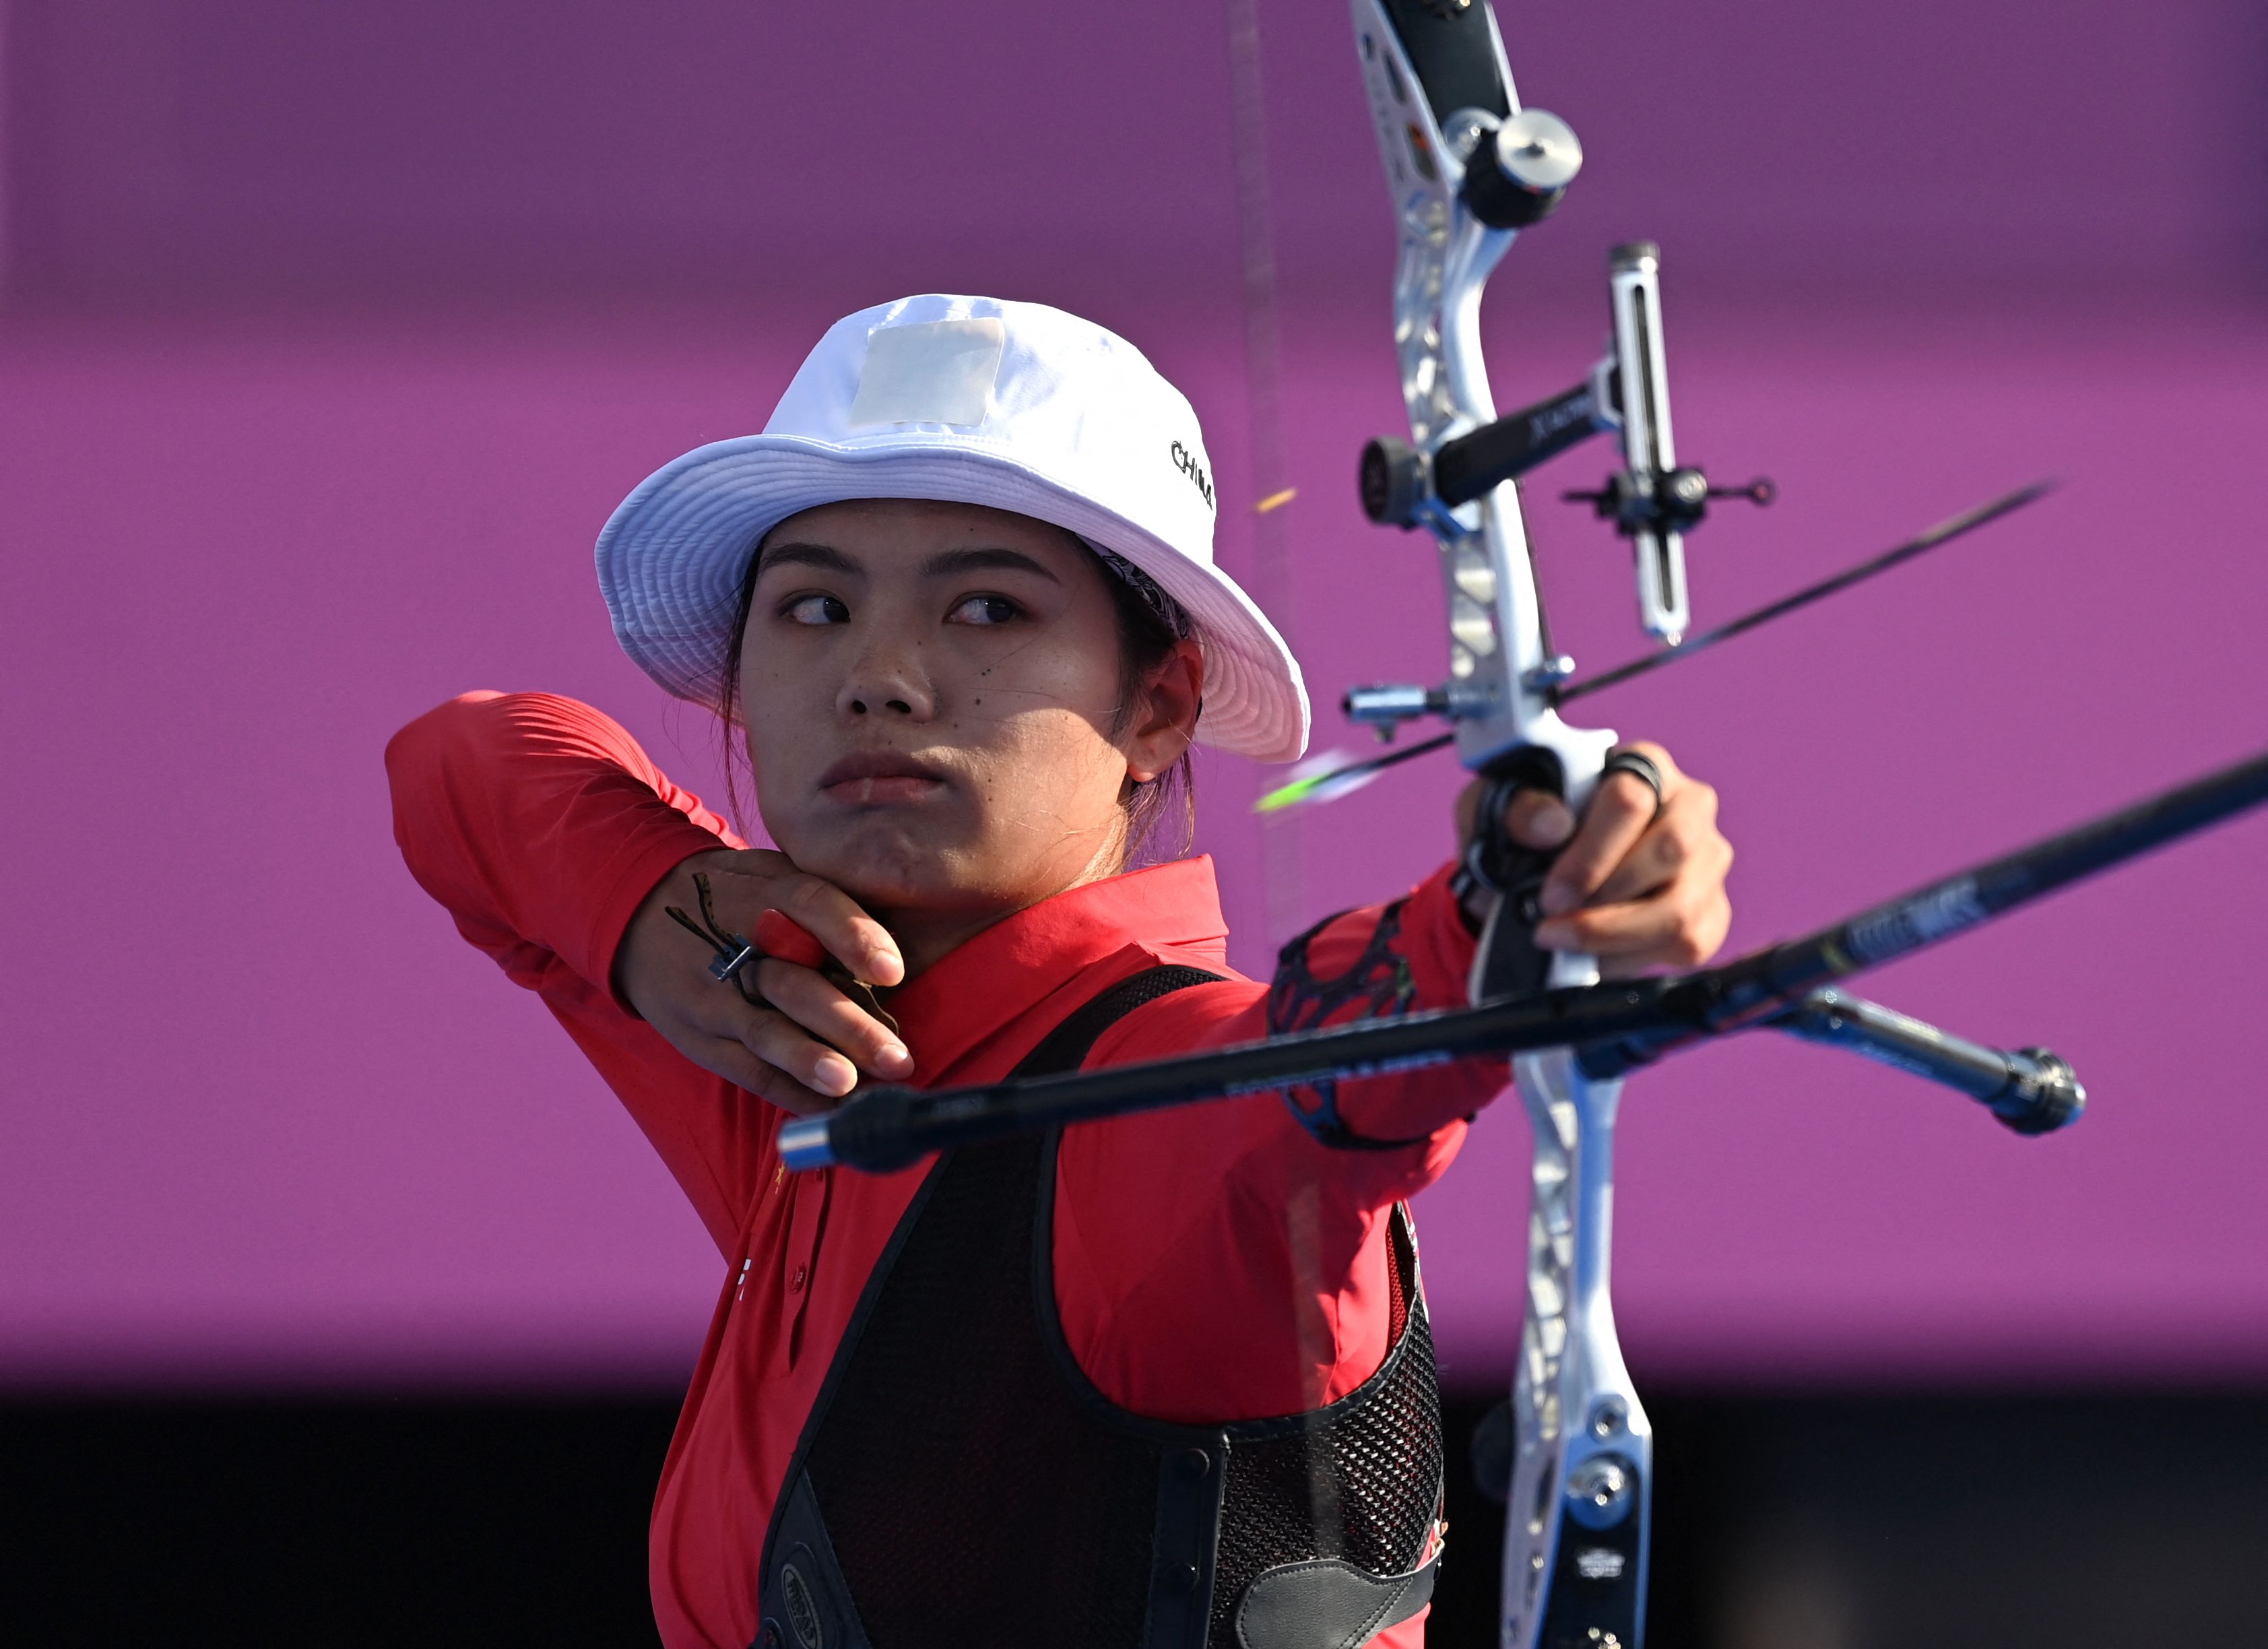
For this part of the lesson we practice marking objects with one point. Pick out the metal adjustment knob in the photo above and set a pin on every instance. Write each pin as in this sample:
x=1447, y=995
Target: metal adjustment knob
x=1633, y=254
x=1599, y=1491
x=2050, y=1097
x=1519, y=174
x=1395, y=480
x=1681, y=498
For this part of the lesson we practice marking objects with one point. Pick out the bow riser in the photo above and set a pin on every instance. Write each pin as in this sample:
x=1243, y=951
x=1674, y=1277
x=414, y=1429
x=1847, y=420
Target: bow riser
x=1580, y=1424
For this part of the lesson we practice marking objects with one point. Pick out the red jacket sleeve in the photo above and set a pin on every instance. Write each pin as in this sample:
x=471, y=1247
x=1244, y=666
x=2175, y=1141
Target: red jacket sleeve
x=541, y=826
x=1226, y=1230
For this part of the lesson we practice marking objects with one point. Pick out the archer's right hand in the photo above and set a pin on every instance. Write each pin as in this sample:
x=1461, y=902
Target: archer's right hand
x=791, y=1053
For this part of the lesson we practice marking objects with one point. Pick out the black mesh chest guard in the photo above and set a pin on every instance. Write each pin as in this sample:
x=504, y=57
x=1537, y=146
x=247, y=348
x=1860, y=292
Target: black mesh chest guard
x=960, y=1481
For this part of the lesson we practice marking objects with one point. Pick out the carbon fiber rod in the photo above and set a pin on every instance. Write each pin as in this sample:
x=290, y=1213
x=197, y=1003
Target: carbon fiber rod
x=1616, y=1025
x=1766, y=984
x=2033, y=1090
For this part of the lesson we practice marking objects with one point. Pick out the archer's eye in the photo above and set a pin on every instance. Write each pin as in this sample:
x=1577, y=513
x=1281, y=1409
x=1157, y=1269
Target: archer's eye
x=816, y=609
x=984, y=609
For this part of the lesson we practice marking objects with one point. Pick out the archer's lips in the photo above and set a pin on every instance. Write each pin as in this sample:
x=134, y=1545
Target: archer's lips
x=881, y=777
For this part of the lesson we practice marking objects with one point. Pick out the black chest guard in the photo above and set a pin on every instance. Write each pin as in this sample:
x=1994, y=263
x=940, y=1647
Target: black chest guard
x=961, y=1484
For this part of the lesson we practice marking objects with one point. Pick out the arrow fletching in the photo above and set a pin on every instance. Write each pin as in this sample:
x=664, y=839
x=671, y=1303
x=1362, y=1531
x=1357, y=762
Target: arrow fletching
x=1337, y=773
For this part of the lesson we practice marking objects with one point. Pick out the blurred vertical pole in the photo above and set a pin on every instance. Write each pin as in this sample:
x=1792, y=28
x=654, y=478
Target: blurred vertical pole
x=1283, y=836
x=7, y=147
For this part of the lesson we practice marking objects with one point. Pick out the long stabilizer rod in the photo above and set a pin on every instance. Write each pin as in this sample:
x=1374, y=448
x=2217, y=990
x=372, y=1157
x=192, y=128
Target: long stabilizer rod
x=1615, y=1026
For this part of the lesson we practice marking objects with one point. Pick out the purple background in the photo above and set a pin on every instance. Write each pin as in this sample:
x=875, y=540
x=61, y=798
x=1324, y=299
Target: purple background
x=328, y=336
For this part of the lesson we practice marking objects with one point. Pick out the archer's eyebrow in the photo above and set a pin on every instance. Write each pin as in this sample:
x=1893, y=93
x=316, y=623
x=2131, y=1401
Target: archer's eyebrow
x=944, y=564
x=956, y=561
x=823, y=556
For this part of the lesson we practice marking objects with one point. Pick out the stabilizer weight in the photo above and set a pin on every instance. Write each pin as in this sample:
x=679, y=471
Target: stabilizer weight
x=2033, y=1090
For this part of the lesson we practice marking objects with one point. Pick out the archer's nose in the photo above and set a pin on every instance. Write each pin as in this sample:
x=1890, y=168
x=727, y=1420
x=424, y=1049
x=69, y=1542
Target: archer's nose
x=889, y=682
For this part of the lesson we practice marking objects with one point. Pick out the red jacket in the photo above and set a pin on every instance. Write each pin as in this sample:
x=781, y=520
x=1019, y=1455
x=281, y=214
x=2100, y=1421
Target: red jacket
x=1212, y=1262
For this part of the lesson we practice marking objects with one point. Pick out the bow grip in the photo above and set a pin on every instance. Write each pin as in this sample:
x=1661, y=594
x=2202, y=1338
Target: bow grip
x=1510, y=963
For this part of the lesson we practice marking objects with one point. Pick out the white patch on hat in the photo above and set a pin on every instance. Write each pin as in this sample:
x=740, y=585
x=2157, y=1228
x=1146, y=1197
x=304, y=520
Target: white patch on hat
x=929, y=371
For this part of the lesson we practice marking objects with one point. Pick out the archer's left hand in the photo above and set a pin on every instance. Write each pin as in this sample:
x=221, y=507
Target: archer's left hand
x=1635, y=889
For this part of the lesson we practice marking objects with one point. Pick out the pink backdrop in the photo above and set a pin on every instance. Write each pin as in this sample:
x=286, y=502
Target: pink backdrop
x=331, y=340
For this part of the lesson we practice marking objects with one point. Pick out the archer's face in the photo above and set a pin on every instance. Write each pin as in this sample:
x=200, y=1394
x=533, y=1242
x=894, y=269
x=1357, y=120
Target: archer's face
x=931, y=692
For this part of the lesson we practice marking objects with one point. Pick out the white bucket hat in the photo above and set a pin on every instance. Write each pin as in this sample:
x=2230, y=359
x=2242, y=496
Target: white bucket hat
x=967, y=401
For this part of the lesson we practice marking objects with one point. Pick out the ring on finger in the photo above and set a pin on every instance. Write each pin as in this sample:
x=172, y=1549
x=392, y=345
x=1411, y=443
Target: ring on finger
x=1639, y=767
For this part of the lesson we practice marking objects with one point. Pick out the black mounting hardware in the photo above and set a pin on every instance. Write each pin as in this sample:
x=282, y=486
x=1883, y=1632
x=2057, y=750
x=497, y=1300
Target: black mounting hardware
x=1676, y=505
x=1452, y=47
x=1517, y=173
x=1395, y=479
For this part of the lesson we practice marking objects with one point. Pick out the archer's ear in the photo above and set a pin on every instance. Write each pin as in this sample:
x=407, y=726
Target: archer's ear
x=1172, y=699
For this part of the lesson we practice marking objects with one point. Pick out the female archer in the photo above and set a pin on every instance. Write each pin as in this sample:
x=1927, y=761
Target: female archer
x=1163, y=1379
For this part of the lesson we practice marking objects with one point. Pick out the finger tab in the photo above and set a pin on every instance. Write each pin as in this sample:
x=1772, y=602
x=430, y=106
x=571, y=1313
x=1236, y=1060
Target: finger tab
x=778, y=936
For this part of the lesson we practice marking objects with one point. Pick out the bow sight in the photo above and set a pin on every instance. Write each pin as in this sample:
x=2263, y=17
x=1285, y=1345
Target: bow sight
x=1653, y=500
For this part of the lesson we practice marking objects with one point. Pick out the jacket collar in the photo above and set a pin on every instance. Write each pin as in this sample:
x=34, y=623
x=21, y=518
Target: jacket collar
x=985, y=985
